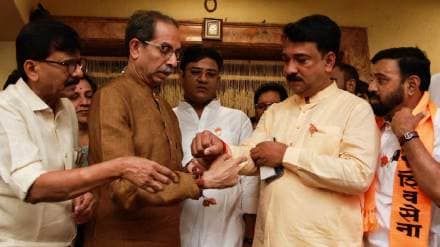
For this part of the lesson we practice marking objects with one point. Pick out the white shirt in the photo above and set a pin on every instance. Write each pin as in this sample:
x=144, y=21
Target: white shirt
x=434, y=88
x=220, y=224
x=385, y=176
x=33, y=141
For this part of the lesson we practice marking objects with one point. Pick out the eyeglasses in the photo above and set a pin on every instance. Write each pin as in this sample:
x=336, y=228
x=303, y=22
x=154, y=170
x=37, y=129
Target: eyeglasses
x=165, y=49
x=71, y=64
x=197, y=72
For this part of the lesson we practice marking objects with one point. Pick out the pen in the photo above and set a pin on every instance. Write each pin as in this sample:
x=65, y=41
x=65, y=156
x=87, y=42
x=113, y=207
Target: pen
x=396, y=155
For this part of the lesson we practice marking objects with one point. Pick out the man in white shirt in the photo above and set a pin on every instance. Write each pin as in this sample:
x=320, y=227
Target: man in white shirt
x=266, y=95
x=38, y=139
x=220, y=224
x=346, y=77
x=407, y=190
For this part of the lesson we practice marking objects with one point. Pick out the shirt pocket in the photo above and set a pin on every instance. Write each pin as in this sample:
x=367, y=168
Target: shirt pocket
x=323, y=139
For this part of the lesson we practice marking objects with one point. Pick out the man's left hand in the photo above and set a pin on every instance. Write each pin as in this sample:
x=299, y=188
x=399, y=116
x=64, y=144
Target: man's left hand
x=404, y=121
x=268, y=153
x=83, y=207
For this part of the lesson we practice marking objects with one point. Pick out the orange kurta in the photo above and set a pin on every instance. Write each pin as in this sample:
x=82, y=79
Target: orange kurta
x=127, y=118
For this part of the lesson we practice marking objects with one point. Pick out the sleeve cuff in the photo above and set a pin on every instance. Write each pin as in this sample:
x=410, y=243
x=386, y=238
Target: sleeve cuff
x=22, y=179
x=291, y=156
x=186, y=160
x=247, y=167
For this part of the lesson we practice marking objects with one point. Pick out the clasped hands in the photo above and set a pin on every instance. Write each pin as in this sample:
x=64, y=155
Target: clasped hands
x=206, y=147
x=218, y=169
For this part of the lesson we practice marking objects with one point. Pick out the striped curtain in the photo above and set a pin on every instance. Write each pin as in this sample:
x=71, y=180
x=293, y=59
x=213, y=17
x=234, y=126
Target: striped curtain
x=240, y=79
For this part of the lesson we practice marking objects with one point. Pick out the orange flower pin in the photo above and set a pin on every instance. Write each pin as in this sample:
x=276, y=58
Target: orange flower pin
x=312, y=129
x=384, y=160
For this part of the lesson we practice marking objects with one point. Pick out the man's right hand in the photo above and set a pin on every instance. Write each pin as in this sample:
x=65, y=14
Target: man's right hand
x=223, y=172
x=147, y=174
x=206, y=145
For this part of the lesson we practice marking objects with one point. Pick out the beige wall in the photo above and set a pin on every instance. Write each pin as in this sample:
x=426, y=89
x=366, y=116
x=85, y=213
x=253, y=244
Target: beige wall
x=389, y=23
x=24, y=7
x=7, y=60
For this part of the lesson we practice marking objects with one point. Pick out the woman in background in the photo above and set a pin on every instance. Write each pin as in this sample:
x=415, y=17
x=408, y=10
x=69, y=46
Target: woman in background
x=81, y=97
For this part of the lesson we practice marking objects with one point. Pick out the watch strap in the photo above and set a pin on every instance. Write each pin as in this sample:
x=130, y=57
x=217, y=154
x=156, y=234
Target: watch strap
x=408, y=136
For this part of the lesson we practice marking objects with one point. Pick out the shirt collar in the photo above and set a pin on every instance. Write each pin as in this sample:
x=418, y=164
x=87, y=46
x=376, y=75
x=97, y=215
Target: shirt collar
x=32, y=99
x=213, y=105
x=318, y=97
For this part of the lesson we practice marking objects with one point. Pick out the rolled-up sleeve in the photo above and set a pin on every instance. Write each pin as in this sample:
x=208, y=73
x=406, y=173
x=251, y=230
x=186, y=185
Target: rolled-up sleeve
x=21, y=162
x=260, y=134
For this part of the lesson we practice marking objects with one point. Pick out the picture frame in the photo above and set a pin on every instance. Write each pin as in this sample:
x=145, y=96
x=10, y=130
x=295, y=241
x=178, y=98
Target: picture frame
x=212, y=29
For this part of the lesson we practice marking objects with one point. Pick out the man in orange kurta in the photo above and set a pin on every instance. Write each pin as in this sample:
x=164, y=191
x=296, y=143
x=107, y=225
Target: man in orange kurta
x=128, y=117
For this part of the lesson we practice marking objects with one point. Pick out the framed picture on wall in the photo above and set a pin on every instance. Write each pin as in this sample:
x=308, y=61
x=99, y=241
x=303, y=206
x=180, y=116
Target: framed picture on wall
x=212, y=29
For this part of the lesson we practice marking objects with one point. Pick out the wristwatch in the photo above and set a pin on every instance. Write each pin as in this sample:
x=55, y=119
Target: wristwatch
x=408, y=136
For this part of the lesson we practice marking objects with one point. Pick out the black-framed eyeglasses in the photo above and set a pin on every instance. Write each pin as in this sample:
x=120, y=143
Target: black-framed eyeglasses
x=71, y=65
x=165, y=49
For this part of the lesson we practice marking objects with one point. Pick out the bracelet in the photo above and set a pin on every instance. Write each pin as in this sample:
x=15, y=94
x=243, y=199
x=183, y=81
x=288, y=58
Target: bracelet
x=225, y=147
x=206, y=201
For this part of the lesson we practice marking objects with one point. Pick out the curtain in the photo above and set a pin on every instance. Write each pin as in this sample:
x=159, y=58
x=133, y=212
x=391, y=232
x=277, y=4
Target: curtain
x=239, y=80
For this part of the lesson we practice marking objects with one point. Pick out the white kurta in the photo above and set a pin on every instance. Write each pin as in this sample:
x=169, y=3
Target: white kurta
x=34, y=140
x=384, y=194
x=221, y=224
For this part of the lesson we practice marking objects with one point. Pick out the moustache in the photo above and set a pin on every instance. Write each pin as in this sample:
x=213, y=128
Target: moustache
x=293, y=77
x=71, y=81
x=167, y=70
x=373, y=96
